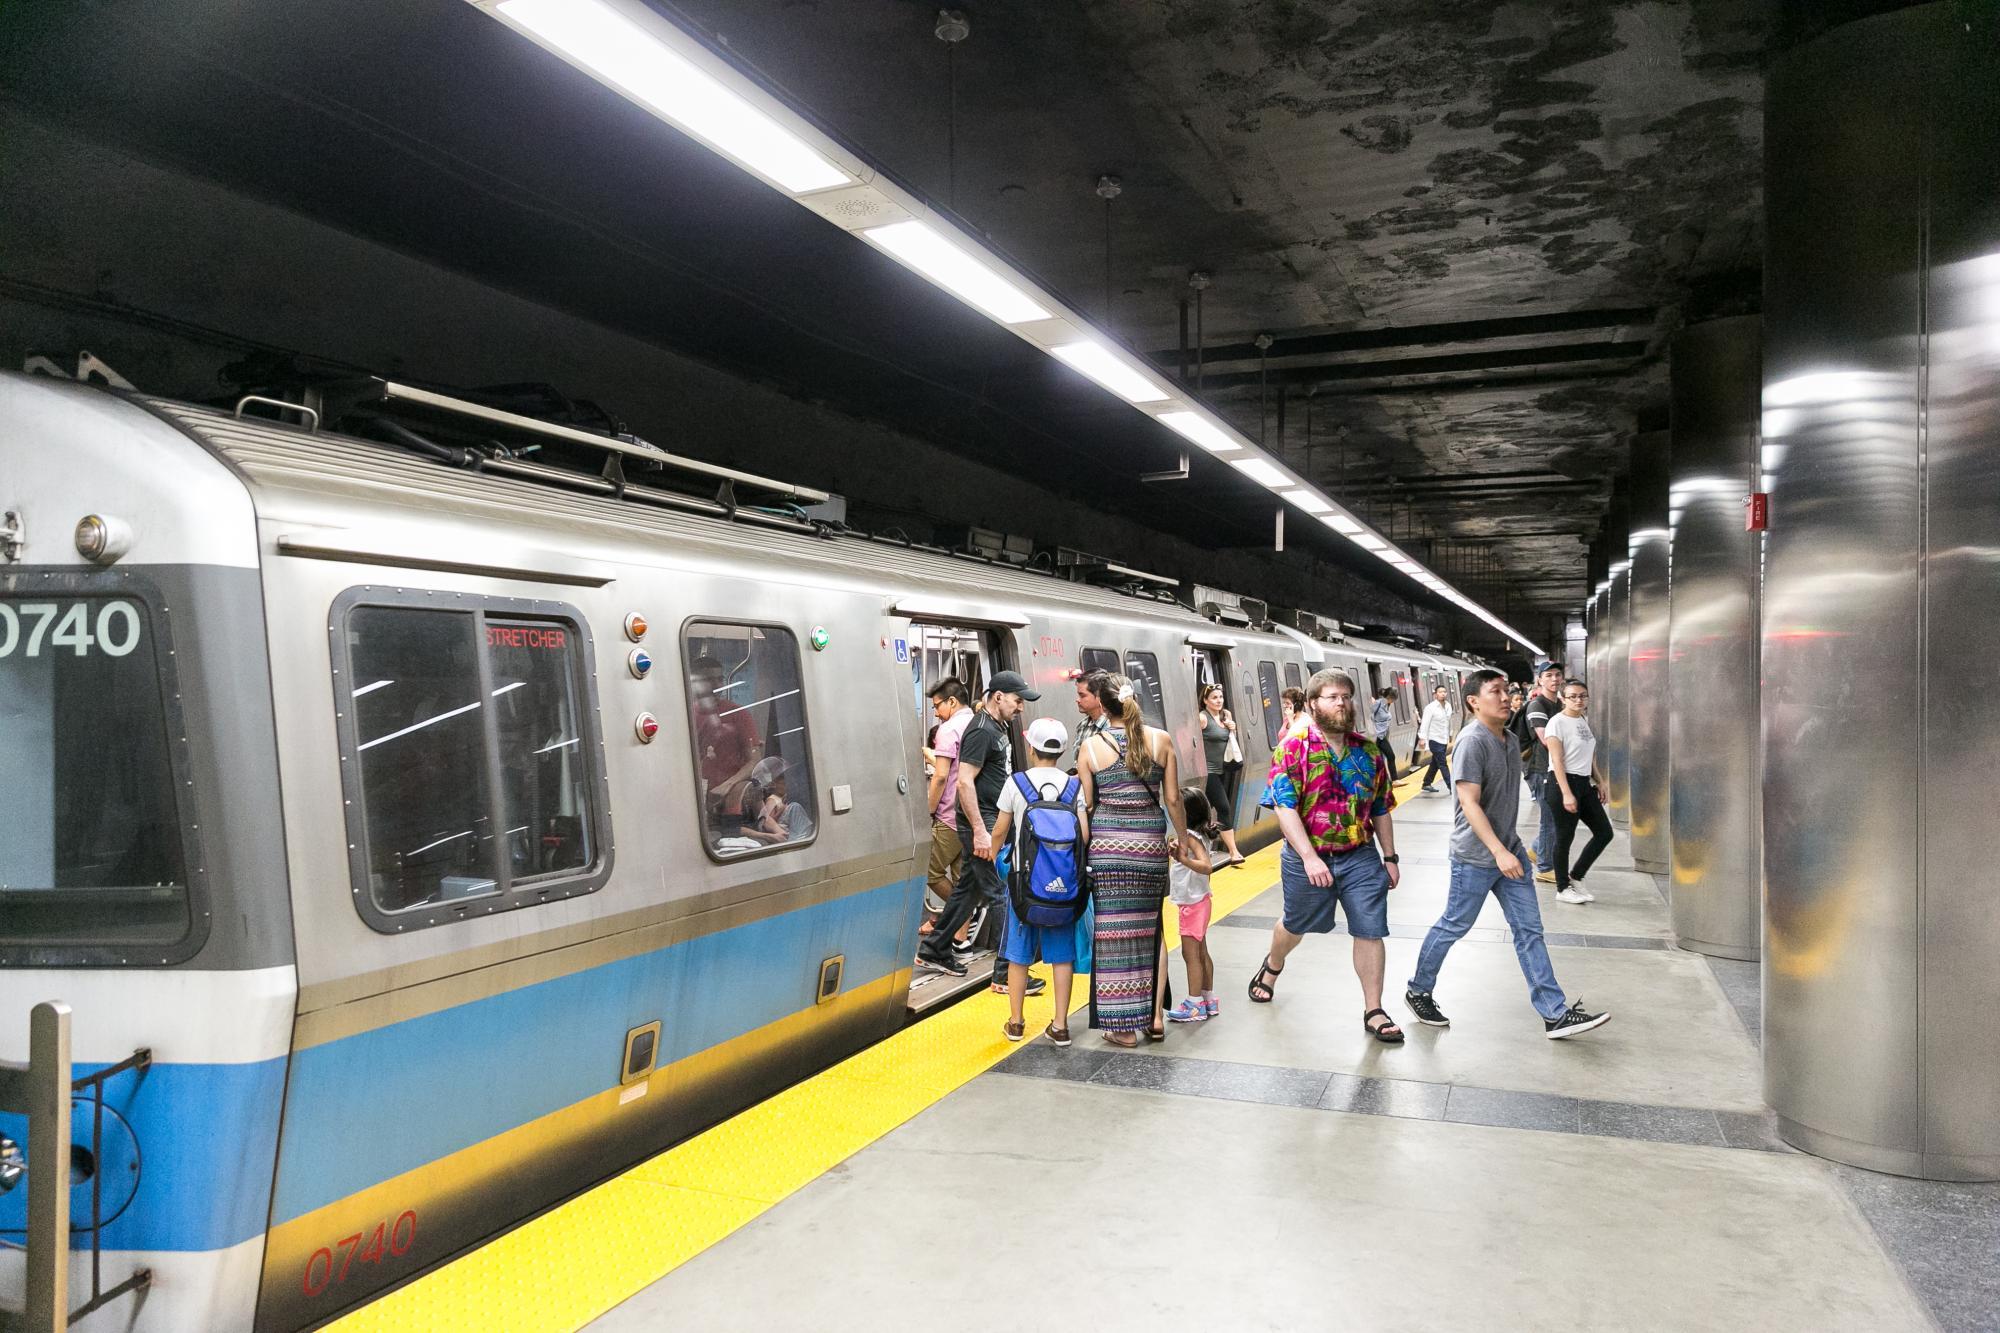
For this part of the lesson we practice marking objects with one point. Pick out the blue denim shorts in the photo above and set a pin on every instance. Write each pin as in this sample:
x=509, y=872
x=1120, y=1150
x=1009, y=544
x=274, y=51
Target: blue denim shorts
x=1360, y=889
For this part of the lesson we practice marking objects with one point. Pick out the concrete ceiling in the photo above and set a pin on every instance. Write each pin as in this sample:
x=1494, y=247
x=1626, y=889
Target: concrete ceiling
x=1467, y=225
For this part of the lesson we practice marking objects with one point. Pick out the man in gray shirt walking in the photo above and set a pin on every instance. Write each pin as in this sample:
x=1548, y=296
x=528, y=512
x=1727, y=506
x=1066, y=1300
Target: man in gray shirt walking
x=1486, y=855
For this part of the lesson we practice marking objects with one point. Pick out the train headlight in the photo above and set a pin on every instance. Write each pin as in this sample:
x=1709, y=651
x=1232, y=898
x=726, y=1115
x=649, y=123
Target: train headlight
x=101, y=539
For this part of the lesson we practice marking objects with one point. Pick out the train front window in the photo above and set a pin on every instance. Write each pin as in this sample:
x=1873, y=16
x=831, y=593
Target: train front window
x=90, y=838
x=471, y=767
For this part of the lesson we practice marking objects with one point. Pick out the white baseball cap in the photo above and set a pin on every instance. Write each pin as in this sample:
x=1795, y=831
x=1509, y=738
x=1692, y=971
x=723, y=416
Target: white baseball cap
x=1046, y=735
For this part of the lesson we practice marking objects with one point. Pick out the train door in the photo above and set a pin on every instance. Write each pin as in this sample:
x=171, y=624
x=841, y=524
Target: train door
x=972, y=654
x=1211, y=668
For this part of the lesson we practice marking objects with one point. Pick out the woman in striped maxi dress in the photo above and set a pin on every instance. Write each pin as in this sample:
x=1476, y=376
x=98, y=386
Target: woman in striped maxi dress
x=1125, y=771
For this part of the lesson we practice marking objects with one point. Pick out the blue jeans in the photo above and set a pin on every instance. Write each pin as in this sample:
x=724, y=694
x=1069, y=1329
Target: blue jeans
x=1545, y=831
x=1469, y=886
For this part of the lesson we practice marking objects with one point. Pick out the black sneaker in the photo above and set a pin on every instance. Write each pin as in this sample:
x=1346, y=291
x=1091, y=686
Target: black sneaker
x=948, y=965
x=1573, y=1022
x=1035, y=985
x=1425, y=1008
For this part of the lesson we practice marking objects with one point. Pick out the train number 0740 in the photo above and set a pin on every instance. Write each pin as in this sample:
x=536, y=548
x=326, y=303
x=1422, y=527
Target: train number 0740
x=330, y=1264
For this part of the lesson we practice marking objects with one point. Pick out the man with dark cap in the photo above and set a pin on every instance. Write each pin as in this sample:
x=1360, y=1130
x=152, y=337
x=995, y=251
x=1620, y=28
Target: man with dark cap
x=985, y=762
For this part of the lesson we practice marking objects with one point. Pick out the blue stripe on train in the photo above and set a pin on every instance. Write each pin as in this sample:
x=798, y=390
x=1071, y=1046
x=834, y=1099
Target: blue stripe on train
x=372, y=1106
x=208, y=1136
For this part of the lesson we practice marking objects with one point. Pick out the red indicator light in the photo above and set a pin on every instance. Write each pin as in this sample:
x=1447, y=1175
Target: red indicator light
x=646, y=727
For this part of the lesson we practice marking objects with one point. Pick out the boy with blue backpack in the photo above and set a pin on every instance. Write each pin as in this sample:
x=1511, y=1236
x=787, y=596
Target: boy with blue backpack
x=1041, y=820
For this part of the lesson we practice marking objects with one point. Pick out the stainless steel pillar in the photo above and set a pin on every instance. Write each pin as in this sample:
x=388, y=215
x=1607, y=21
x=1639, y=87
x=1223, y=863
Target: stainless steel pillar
x=1718, y=901
x=1574, y=638
x=1610, y=708
x=1646, y=655
x=1881, y=613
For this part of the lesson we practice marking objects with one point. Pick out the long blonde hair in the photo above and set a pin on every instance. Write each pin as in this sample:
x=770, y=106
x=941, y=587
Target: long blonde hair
x=1120, y=698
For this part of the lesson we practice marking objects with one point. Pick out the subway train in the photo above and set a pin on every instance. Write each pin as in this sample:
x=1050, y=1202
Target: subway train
x=454, y=820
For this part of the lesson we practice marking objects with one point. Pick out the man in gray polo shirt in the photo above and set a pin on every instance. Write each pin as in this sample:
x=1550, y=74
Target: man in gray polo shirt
x=1486, y=855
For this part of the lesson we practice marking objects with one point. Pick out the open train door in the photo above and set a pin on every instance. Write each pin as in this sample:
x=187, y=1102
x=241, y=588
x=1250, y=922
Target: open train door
x=1211, y=657
x=970, y=642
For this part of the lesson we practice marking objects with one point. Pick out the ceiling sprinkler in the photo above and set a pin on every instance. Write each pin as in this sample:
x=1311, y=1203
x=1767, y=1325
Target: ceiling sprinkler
x=952, y=26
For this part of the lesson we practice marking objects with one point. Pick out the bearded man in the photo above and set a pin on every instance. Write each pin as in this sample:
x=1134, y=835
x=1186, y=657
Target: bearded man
x=1330, y=789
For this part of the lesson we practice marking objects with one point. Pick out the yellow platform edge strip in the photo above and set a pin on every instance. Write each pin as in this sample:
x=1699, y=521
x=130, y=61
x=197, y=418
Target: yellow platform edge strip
x=573, y=1263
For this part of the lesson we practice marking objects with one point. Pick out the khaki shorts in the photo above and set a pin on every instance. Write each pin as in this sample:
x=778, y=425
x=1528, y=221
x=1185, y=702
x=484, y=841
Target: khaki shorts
x=946, y=853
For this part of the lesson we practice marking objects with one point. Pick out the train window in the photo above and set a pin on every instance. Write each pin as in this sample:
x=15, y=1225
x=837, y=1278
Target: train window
x=1270, y=694
x=1098, y=659
x=1144, y=670
x=472, y=772
x=1295, y=678
x=544, y=781
x=747, y=715
x=90, y=838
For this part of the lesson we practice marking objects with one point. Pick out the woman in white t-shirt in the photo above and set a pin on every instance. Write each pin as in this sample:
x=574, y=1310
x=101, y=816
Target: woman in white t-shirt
x=1572, y=797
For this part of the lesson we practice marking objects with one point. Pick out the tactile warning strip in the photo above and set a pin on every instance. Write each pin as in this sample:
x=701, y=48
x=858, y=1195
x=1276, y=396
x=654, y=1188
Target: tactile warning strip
x=566, y=1267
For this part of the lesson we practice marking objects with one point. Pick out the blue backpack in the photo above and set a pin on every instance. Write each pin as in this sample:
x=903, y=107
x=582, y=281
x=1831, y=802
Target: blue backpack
x=1047, y=882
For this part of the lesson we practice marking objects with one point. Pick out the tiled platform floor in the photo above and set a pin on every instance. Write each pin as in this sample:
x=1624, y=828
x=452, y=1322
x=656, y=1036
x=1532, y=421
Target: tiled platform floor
x=1276, y=1168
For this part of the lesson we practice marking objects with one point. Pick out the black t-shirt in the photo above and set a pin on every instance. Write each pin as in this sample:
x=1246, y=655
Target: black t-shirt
x=987, y=745
x=1536, y=712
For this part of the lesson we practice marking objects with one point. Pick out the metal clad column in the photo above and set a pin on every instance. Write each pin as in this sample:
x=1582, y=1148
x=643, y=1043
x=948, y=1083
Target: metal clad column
x=1610, y=707
x=1881, y=613
x=1718, y=905
x=1646, y=679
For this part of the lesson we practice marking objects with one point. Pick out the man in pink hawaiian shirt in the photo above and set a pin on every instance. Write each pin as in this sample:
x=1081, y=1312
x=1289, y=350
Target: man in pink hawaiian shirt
x=1329, y=787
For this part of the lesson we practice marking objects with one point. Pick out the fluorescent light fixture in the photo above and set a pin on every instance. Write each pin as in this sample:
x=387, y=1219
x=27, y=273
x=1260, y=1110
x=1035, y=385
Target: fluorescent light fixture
x=1111, y=370
x=630, y=58
x=1260, y=470
x=1198, y=428
x=1368, y=541
x=956, y=270
x=1307, y=501
x=1341, y=523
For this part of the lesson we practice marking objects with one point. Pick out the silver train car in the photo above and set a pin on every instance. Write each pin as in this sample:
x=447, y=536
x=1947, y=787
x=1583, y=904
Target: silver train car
x=451, y=839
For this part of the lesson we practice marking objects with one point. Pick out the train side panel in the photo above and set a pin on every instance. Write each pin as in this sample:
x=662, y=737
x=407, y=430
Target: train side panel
x=452, y=1079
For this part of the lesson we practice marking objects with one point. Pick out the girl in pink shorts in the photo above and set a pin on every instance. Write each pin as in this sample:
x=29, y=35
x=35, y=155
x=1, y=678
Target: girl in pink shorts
x=1187, y=886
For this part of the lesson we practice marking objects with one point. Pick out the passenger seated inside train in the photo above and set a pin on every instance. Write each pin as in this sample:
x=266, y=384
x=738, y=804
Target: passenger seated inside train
x=777, y=817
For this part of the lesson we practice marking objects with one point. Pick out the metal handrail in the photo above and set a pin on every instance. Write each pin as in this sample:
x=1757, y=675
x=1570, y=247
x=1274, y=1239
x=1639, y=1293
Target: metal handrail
x=43, y=1090
x=40, y=1090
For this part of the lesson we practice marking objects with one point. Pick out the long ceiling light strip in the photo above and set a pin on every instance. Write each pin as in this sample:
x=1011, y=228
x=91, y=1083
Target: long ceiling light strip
x=673, y=74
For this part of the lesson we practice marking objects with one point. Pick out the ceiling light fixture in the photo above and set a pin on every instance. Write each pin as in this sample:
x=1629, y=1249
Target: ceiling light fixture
x=1198, y=428
x=637, y=63
x=1110, y=370
x=676, y=76
x=955, y=270
x=1261, y=471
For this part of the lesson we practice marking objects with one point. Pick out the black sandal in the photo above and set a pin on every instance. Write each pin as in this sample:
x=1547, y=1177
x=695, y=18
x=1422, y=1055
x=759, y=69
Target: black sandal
x=1266, y=980
x=1154, y=1034
x=1384, y=1033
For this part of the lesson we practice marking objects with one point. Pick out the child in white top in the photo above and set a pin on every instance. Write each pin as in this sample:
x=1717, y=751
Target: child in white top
x=1187, y=885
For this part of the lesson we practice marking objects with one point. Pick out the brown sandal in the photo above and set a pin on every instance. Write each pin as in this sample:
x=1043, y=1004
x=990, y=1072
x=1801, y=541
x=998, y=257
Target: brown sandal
x=1060, y=1036
x=1124, y=1041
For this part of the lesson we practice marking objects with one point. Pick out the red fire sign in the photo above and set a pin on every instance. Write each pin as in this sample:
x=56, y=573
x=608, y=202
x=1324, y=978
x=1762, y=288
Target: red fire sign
x=1757, y=512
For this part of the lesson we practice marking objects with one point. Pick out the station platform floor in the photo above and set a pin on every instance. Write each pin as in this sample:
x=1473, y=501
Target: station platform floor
x=1274, y=1168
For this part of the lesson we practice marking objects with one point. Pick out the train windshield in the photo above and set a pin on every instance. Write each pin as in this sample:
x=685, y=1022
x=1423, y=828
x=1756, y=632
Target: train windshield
x=90, y=839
